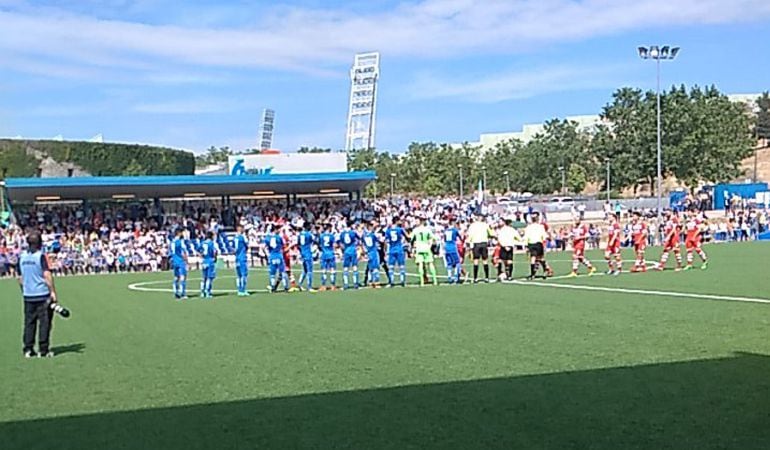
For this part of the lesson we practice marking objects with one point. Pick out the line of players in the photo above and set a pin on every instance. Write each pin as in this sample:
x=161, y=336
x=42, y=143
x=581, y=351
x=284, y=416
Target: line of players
x=386, y=249
x=690, y=223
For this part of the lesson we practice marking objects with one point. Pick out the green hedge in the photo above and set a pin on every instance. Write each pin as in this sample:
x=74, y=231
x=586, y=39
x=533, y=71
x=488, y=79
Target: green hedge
x=96, y=158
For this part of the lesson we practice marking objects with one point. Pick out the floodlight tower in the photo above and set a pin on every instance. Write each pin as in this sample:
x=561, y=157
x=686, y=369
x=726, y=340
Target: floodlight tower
x=658, y=54
x=362, y=110
x=266, y=129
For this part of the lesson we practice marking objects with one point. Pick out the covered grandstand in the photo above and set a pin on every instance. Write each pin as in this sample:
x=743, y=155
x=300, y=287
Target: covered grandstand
x=224, y=187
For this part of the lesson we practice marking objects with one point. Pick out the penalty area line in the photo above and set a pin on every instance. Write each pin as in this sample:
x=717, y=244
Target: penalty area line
x=581, y=287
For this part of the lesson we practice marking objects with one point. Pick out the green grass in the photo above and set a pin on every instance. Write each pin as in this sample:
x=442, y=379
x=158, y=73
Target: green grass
x=507, y=366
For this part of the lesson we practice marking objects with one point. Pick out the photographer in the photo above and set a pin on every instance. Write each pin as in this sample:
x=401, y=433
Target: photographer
x=39, y=293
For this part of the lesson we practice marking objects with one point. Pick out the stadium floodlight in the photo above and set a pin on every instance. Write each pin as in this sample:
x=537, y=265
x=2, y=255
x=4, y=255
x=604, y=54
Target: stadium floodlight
x=329, y=191
x=658, y=54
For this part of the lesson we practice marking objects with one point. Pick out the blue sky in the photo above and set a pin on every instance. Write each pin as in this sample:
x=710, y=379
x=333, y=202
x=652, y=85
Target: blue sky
x=198, y=73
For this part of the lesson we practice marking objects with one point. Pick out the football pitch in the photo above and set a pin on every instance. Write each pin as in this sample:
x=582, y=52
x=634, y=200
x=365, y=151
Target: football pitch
x=656, y=360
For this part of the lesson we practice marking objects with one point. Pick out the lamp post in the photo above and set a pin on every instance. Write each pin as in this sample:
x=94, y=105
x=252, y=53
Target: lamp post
x=460, y=168
x=607, y=160
x=392, y=184
x=507, y=182
x=658, y=53
x=563, y=179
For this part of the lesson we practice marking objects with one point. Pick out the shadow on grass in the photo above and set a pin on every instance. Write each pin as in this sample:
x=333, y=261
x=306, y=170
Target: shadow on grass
x=718, y=403
x=71, y=348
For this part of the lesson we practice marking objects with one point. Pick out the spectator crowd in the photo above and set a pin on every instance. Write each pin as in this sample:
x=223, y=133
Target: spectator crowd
x=134, y=237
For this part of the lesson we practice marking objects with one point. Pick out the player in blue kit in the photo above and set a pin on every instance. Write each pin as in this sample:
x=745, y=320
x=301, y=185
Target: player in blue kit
x=371, y=245
x=179, y=264
x=395, y=237
x=241, y=245
x=208, y=268
x=275, y=261
x=305, y=242
x=327, y=240
x=451, y=255
x=349, y=240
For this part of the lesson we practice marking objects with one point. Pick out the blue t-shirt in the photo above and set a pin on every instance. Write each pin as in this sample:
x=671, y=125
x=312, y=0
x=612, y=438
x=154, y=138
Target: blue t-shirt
x=395, y=236
x=209, y=252
x=178, y=250
x=305, y=241
x=327, y=243
x=451, y=235
x=370, y=242
x=349, y=240
x=241, y=248
x=274, y=243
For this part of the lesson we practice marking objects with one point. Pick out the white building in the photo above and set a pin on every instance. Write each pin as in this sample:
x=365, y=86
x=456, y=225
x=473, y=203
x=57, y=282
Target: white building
x=528, y=132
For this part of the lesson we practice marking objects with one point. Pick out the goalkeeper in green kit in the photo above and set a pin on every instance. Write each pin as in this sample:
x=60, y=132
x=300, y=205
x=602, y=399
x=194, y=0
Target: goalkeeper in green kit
x=423, y=240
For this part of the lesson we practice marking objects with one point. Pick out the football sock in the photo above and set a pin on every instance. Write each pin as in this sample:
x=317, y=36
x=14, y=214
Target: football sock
x=432, y=269
x=486, y=271
x=355, y=277
x=532, y=270
x=475, y=272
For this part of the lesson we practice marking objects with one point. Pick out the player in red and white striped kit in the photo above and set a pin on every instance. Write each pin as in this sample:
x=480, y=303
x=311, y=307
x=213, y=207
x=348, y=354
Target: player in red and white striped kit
x=579, y=235
x=671, y=230
x=639, y=235
x=692, y=241
x=612, y=252
x=291, y=243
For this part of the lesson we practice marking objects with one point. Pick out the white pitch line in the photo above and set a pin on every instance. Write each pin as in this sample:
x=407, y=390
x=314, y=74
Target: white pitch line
x=582, y=287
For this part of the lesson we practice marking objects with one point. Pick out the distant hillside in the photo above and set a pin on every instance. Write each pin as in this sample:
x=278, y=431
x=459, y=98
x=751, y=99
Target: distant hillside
x=29, y=158
x=763, y=165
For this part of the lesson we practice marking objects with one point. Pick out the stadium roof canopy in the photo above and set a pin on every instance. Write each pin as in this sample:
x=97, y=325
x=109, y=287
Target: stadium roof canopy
x=190, y=186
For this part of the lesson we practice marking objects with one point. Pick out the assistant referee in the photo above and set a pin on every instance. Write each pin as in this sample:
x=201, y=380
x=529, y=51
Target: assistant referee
x=478, y=239
x=535, y=235
x=507, y=237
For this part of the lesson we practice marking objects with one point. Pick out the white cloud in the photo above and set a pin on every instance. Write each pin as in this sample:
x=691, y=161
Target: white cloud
x=293, y=38
x=71, y=110
x=190, y=106
x=512, y=85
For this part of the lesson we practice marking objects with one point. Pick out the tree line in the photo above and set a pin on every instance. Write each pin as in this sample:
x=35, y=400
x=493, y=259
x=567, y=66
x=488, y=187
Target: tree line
x=705, y=137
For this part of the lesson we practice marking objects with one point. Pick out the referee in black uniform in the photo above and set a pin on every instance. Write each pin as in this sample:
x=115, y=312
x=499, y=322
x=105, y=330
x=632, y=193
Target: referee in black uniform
x=478, y=238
